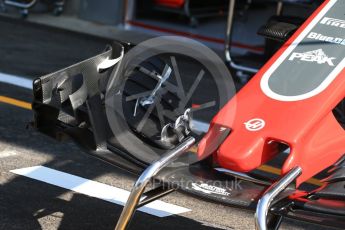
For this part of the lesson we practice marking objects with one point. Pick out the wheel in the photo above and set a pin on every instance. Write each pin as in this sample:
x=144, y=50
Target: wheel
x=152, y=88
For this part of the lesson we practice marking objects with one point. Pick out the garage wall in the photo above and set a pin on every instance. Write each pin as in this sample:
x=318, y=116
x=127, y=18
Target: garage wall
x=109, y=12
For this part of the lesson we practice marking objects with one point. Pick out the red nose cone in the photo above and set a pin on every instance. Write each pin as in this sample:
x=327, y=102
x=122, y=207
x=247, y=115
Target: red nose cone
x=240, y=156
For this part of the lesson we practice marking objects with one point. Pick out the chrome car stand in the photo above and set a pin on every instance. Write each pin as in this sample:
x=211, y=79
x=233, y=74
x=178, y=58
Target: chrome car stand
x=270, y=196
x=276, y=192
x=138, y=189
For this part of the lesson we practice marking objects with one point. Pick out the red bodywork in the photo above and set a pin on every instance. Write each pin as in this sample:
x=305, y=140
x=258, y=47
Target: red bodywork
x=308, y=126
x=170, y=3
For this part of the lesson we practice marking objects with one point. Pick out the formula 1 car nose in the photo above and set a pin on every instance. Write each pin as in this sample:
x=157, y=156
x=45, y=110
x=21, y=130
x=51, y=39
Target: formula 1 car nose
x=282, y=104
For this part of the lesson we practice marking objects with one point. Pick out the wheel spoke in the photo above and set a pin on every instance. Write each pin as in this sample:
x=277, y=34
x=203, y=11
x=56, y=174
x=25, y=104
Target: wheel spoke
x=204, y=106
x=138, y=95
x=160, y=113
x=180, y=91
x=150, y=109
x=146, y=116
x=192, y=89
x=168, y=85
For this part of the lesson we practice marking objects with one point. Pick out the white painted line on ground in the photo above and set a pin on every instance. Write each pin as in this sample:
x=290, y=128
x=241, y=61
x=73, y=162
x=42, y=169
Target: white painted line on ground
x=15, y=80
x=95, y=189
x=5, y=154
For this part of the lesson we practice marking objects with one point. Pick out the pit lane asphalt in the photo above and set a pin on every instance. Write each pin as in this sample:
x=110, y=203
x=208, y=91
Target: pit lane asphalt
x=31, y=50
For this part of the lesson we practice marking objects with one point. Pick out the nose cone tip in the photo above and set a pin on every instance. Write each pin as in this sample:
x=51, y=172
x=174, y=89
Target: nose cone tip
x=242, y=157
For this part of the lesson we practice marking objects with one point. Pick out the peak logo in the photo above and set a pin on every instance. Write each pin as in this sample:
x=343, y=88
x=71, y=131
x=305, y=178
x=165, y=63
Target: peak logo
x=317, y=56
x=333, y=22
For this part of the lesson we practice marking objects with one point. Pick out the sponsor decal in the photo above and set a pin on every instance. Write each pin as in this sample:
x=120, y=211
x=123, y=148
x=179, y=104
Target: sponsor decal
x=273, y=82
x=324, y=38
x=255, y=124
x=333, y=22
x=222, y=129
x=210, y=189
x=317, y=56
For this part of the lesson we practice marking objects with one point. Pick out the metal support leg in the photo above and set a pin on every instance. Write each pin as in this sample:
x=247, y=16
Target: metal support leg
x=229, y=26
x=271, y=193
x=144, y=179
x=58, y=7
x=280, y=7
x=228, y=40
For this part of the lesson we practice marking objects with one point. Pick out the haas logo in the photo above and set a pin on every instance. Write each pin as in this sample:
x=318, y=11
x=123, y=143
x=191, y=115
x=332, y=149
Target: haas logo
x=255, y=124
